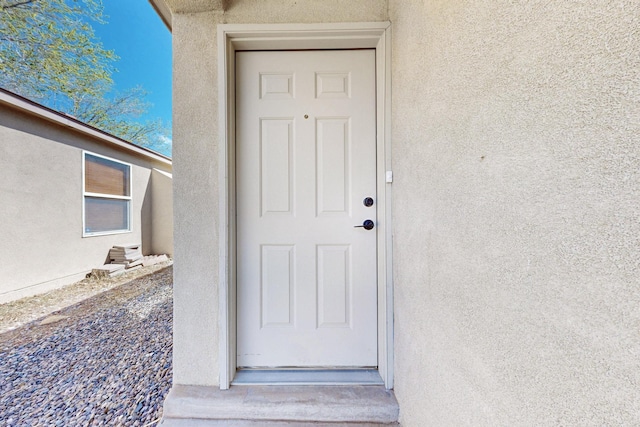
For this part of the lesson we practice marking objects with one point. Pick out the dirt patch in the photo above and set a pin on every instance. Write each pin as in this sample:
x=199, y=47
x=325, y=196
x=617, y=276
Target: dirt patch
x=20, y=312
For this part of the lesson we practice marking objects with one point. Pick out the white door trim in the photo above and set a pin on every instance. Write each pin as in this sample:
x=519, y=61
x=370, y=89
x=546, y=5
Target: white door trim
x=234, y=37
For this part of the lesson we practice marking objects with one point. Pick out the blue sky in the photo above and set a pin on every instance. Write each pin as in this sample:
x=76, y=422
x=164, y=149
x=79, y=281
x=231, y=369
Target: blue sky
x=143, y=43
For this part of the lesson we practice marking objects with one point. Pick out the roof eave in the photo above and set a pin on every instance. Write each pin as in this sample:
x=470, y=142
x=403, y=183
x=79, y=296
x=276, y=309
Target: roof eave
x=45, y=113
x=163, y=11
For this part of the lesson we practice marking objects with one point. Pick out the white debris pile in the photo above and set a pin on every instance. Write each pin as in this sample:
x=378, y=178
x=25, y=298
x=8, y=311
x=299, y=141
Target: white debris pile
x=129, y=255
x=126, y=258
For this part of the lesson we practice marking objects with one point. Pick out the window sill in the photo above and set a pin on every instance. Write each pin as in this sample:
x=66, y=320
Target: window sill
x=105, y=233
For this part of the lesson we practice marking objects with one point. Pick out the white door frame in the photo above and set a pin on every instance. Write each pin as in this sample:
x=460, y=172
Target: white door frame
x=232, y=37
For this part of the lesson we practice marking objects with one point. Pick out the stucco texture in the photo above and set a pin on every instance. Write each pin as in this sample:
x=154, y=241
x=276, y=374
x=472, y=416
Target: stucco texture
x=195, y=165
x=290, y=11
x=304, y=11
x=161, y=212
x=195, y=162
x=516, y=212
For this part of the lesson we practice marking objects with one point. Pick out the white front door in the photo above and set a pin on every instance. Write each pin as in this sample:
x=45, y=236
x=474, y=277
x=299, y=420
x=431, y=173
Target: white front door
x=305, y=163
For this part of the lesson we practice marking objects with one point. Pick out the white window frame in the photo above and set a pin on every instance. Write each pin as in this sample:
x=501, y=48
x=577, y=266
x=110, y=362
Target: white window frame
x=86, y=194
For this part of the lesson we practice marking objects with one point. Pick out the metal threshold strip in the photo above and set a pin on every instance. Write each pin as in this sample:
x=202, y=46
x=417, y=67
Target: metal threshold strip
x=307, y=377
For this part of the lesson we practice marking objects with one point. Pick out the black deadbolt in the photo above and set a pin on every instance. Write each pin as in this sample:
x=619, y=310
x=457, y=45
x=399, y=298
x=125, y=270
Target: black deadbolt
x=368, y=202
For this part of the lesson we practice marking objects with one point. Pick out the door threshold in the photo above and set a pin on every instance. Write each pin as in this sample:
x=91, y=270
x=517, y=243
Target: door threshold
x=307, y=377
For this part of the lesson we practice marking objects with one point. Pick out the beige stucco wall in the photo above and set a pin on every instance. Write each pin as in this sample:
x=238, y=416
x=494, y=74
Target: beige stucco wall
x=195, y=160
x=516, y=152
x=41, y=243
x=161, y=212
x=515, y=207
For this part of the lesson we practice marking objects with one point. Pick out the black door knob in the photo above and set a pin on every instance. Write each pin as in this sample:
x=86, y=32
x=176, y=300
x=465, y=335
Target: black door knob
x=367, y=224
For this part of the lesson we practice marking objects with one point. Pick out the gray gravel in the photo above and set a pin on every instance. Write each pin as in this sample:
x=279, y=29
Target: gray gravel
x=104, y=361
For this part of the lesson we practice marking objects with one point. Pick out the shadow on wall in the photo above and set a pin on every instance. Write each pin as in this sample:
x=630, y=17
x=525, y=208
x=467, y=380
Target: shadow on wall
x=157, y=230
x=146, y=219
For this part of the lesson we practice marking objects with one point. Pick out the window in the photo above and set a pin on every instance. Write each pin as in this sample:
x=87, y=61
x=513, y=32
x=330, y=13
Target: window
x=107, y=195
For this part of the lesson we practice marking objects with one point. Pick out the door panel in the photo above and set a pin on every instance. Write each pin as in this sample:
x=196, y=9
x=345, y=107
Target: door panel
x=276, y=179
x=305, y=161
x=333, y=166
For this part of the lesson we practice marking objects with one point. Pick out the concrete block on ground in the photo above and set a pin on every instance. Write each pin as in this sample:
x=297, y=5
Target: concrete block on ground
x=154, y=259
x=108, y=270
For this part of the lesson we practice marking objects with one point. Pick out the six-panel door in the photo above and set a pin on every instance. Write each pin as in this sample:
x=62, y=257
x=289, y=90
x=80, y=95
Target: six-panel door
x=305, y=162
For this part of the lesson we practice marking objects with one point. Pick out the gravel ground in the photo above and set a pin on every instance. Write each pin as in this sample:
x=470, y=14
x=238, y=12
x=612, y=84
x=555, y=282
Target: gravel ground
x=103, y=361
x=20, y=312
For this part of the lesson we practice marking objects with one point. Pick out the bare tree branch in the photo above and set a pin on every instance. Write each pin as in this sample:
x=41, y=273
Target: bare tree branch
x=22, y=3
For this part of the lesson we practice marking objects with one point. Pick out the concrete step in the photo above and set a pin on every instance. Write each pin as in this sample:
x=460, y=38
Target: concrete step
x=280, y=406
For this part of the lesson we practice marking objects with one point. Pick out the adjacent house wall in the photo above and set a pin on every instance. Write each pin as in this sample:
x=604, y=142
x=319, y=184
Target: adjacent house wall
x=195, y=159
x=161, y=212
x=516, y=152
x=41, y=243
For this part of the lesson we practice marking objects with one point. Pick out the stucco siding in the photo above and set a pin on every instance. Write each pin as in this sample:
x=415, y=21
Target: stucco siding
x=41, y=243
x=161, y=212
x=195, y=160
x=516, y=160
x=304, y=11
x=516, y=225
